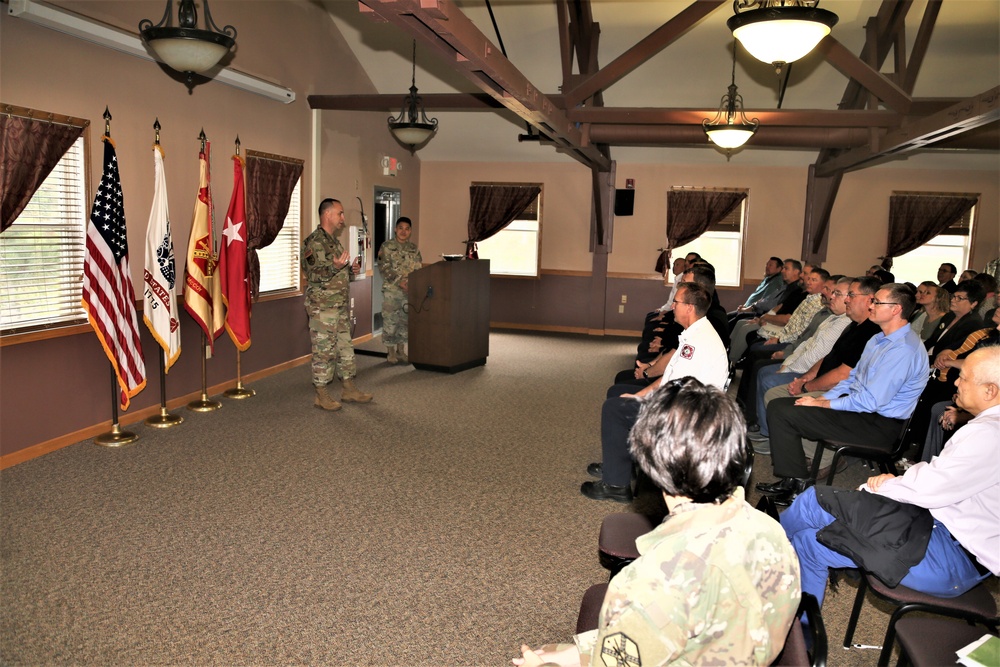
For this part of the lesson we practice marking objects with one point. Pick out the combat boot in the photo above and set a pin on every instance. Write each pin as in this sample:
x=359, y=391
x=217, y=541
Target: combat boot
x=392, y=358
x=352, y=395
x=401, y=353
x=325, y=401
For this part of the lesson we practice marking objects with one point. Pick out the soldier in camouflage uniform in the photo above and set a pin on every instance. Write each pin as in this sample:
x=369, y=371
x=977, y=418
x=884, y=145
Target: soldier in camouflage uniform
x=396, y=260
x=717, y=583
x=328, y=274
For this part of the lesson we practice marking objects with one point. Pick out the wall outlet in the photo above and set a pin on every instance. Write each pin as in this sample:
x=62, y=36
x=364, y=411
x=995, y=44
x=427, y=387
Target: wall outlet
x=430, y=291
x=352, y=303
x=624, y=298
x=621, y=310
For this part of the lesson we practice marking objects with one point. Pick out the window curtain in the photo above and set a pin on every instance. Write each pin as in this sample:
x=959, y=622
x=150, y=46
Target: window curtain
x=270, y=182
x=493, y=207
x=29, y=149
x=916, y=219
x=691, y=212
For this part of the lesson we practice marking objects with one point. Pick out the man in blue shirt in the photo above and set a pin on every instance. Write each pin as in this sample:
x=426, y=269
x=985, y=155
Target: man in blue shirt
x=869, y=406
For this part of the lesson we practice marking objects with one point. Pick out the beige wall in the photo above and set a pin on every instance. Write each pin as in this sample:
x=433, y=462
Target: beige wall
x=859, y=220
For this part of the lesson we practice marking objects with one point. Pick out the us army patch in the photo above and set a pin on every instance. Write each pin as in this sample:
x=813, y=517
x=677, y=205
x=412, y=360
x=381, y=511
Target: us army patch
x=687, y=351
x=618, y=650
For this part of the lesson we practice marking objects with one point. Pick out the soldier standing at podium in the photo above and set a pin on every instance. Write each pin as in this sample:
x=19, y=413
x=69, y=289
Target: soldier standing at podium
x=329, y=271
x=397, y=258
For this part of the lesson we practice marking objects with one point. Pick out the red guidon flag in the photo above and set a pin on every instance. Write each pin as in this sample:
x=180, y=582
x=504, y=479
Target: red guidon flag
x=160, y=296
x=108, y=296
x=233, y=262
x=199, y=286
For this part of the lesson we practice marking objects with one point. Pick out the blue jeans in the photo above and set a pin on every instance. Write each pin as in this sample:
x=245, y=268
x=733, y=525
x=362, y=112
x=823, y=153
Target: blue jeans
x=945, y=570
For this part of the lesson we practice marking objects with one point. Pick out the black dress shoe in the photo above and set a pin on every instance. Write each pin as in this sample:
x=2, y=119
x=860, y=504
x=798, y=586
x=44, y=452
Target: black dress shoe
x=602, y=491
x=596, y=470
x=783, y=485
x=787, y=498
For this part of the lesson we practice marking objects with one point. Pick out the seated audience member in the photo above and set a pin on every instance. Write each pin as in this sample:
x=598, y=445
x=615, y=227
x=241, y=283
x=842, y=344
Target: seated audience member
x=962, y=320
x=944, y=415
x=805, y=356
x=658, y=326
x=778, y=337
x=790, y=297
x=933, y=303
x=676, y=271
x=885, y=277
x=644, y=373
x=770, y=285
x=717, y=583
x=873, y=269
x=989, y=302
x=946, y=277
x=870, y=406
x=836, y=366
x=968, y=274
x=956, y=340
x=700, y=354
x=769, y=303
x=772, y=352
x=918, y=529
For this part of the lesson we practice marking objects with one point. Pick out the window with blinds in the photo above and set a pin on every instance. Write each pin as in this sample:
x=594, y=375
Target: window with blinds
x=721, y=245
x=279, y=262
x=41, y=253
x=953, y=245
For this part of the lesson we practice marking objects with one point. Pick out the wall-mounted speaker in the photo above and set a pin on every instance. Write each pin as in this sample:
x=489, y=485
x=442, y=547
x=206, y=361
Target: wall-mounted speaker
x=624, y=202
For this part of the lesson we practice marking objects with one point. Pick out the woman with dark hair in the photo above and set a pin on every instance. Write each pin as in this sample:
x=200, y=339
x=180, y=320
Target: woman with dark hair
x=933, y=304
x=717, y=582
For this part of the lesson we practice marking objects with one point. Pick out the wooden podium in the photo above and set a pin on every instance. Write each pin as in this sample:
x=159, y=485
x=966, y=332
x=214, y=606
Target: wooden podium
x=449, y=316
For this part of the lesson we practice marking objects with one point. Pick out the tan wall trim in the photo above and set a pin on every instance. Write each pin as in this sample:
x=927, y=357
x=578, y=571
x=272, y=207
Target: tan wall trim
x=561, y=329
x=559, y=272
x=28, y=453
x=636, y=276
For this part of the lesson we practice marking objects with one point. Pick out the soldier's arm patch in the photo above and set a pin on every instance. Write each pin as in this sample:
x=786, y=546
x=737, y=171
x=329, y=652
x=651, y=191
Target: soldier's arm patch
x=618, y=650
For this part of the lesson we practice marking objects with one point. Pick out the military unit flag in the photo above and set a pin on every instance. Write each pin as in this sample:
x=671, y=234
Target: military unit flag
x=233, y=262
x=108, y=296
x=200, y=289
x=160, y=296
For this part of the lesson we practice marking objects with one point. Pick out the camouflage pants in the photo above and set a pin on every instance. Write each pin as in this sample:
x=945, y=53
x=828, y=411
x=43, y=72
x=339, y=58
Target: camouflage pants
x=394, y=316
x=332, y=349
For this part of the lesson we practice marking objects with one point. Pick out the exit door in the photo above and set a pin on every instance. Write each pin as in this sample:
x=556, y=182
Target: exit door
x=386, y=212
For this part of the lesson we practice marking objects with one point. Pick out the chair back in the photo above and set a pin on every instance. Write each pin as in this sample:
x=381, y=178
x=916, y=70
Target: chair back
x=796, y=652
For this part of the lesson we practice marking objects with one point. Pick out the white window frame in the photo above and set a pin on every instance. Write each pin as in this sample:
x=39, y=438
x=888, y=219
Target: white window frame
x=524, y=231
x=279, y=262
x=711, y=245
x=40, y=286
x=954, y=246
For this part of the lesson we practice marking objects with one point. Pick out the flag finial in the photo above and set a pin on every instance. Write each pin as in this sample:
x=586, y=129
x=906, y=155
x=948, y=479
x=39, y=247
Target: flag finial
x=107, y=122
x=156, y=127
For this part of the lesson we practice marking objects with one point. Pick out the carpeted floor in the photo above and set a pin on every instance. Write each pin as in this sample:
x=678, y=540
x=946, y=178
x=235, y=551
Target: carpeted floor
x=440, y=525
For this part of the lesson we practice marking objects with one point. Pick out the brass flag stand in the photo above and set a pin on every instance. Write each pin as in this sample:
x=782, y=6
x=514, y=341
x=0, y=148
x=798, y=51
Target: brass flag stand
x=117, y=437
x=204, y=404
x=239, y=391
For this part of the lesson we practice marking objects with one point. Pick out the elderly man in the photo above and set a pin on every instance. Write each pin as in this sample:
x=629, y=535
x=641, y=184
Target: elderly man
x=700, y=354
x=929, y=520
x=869, y=406
x=717, y=582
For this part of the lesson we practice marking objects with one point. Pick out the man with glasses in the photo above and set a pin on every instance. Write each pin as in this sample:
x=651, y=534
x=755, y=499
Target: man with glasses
x=699, y=354
x=946, y=277
x=870, y=406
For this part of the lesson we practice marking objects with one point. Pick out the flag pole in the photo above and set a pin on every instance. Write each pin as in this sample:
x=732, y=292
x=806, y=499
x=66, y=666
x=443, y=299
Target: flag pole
x=239, y=392
x=116, y=437
x=164, y=419
x=204, y=404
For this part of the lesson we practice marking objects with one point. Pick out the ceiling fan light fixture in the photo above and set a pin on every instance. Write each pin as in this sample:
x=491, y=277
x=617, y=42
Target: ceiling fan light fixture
x=780, y=31
x=730, y=129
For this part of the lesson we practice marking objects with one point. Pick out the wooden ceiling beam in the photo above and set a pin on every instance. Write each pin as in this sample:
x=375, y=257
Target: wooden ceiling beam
x=652, y=44
x=853, y=67
x=441, y=25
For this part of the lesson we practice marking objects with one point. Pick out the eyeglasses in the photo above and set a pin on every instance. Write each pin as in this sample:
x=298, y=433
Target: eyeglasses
x=955, y=297
x=837, y=293
x=855, y=295
x=876, y=302
x=684, y=302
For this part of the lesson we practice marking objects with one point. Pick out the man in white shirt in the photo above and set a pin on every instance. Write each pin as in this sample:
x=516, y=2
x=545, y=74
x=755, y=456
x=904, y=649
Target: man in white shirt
x=700, y=354
x=960, y=489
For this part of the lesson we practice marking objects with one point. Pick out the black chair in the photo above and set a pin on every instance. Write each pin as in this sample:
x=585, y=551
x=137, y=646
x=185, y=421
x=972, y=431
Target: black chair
x=876, y=456
x=796, y=652
x=929, y=642
x=976, y=603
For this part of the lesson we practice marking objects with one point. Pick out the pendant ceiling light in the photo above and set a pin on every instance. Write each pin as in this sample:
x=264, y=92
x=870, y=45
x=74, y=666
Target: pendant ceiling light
x=730, y=128
x=780, y=31
x=185, y=47
x=412, y=127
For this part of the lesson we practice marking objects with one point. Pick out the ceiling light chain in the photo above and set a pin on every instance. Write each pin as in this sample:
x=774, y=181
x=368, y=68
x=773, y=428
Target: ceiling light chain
x=724, y=130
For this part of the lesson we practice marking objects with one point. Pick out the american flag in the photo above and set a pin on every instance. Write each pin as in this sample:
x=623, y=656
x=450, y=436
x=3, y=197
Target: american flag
x=108, y=296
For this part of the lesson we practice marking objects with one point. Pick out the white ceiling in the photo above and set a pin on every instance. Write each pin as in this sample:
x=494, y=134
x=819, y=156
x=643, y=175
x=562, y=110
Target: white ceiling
x=963, y=60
